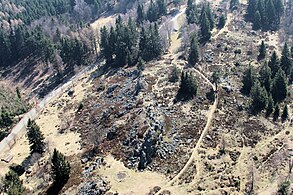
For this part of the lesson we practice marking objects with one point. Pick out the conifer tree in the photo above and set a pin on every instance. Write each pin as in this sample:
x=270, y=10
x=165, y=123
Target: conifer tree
x=60, y=168
x=279, y=7
x=188, y=86
x=193, y=56
x=285, y=113
x=248, y=81
x=191, y=12
x=286, y=62
x=262, y=51
x=140, y=14
x=234, y=4
x=279, y=87
x=35, y=137
x=12, y=185
x=251, y=9
x=274, y=63
x=205, y=28
x=222, y=21
x=266, y=77
x=271, y=14
x=270, y=107
x=259, y=97
x=276, y=112
x=257, y=21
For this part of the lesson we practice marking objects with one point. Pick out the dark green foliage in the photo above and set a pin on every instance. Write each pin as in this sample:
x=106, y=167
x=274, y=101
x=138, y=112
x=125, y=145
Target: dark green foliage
x=150, y=46
x=35, y=137
x=270, y=107
x=279, y=87
x=276, y=112
x=175, y=75
x=60, y=168
x=191, y=12
x=251, y=9
x=156, y=10
x=266, y=77
x=262, y=51
x=222, y=21
x=234, y=4
x=188, y=87
x=259, y=97
x=216, y=77
x=257, y=21
x=12, y=185
x=193, y=54
x=120, y=45
x=205, y=30
x=248, y=81
x=74, y=52
x=265, y=14
x=283, y=188
x=80, y=107
x=285, y=113
x=140, y=14
x=274, y=63
x=286, y=63
x=6, y=119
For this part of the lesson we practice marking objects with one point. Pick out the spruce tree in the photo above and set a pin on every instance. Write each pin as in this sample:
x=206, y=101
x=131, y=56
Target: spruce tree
x=279, y=7
x=286, y=62
x=35, y=137
x=60, y=168
x=259, y=97
x=257, y=21
x=140, y=14
x=251, y=9
x=248, y=81
x=274, y=63
x=262, y=12
x=285, y=113
x=270, y=107
x=276, y=112
x=222, y=21
x=266, y=77
x=188, y=86
x=234, y=4
x=205, y=28
x=191, y=12
x=262, y=51
x=12, y=185
x=193, y=56
x=279, y=87
x=271, y=14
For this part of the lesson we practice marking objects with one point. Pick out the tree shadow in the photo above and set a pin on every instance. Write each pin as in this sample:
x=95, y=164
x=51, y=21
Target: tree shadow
x=55, y=188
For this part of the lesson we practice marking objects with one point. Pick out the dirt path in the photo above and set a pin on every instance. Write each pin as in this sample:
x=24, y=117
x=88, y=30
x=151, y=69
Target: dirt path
x=225, y=28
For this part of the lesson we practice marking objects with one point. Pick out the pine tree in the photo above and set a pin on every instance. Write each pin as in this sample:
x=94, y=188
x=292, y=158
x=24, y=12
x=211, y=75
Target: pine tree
x=188, y=86
x=274, y=63
x=205, y=28
x=279, y=87
x=257, y=21
x=279, y=7
x=12, y=185
x=262, y=12
x=140, y=15
x=175, y=75
x=222, y=21
x=153, y=12
x=286, y=62
x=262, y=51
x=276, y=112
x=270, y=107
x=35, y=137
x=285, y=113
x=251, y=9
x=259, y=97
x=210, y=15
x=60, y=168
x=248, y=81
x=266, y=77
x=271, y=14
x=191, y=12
x=162, y=7
x=193, y=56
